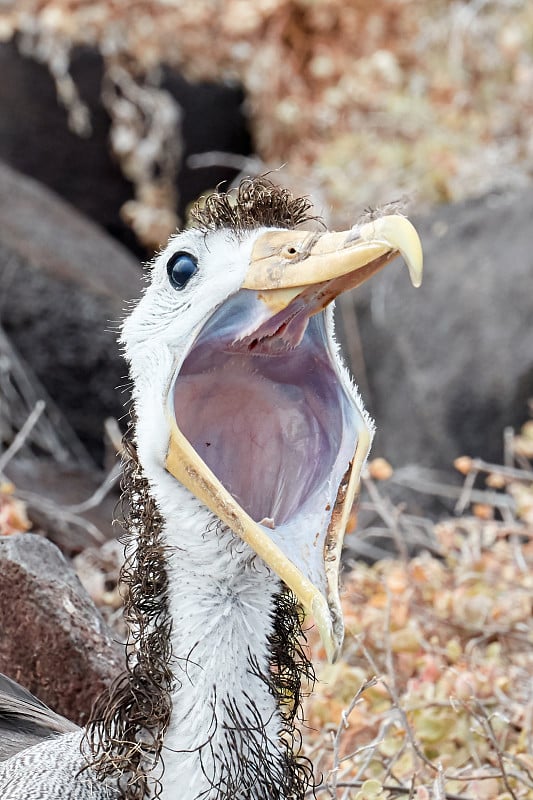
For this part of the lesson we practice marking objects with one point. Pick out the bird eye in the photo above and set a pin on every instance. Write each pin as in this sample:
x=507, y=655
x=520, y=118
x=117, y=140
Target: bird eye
x=181, y=267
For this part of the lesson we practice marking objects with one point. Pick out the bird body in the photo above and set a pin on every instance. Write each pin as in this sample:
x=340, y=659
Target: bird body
x=249, y=441
x=223, y=619
x=51, y=770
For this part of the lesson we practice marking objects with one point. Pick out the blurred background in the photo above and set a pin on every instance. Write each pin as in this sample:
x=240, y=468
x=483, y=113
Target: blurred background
x=130, y=112
x=116, y=116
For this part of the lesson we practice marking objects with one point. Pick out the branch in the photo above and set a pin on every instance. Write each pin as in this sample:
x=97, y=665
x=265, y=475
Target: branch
x=396, y=703
x=51, y=508
x=22, y=435
x=388, y=515
x=98, y=495
x=396, y=790
x=342, y=726
x=483, y=718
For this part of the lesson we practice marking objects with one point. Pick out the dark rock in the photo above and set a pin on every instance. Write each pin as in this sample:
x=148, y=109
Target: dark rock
x=53, y=640
x=35, y=139
x=64, y=286
x=51, y=435
x=451, y=364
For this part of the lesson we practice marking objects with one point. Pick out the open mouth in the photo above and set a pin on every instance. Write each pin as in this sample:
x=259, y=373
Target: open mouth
x=266, y=428
x=272, y=419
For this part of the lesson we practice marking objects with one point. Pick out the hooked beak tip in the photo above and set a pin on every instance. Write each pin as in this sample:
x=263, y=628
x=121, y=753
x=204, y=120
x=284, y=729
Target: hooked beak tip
x=400, y=234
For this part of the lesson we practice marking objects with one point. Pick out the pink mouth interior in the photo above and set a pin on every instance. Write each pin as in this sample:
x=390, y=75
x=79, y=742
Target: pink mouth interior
x=271, y=428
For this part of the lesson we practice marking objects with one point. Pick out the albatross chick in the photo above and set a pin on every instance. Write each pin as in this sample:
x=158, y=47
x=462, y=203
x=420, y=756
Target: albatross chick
x=247, y=445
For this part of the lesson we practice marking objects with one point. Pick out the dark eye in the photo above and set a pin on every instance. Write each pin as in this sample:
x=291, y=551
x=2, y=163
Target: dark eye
x=181, y=267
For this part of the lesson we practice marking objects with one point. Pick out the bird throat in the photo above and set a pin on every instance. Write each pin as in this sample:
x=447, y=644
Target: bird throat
x=142, y=734
x=238, y=669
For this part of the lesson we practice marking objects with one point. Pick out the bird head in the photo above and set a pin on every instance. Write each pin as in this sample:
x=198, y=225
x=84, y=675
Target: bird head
x=240, y=392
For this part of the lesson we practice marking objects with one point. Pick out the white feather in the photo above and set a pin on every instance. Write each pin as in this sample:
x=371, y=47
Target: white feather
x=221, y=594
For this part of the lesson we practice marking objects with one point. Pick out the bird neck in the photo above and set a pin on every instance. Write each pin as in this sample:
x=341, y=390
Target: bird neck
x=213, y=648
x=225, y=734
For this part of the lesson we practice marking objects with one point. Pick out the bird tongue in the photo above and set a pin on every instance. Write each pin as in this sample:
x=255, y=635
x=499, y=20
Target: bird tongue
x=284, y=331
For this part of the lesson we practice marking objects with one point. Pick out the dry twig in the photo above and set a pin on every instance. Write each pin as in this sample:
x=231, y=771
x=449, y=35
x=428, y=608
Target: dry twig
x=22, y=436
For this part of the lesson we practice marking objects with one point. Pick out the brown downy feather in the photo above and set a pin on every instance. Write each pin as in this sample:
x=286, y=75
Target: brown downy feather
x=256, y=203
x=128, y=724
